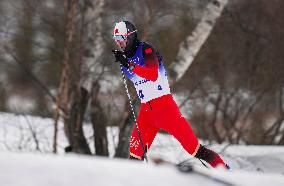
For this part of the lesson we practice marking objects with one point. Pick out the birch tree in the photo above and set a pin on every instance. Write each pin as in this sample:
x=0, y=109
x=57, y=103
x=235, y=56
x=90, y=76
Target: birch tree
x=193, y=43
x=93, y=72
x=70, y=95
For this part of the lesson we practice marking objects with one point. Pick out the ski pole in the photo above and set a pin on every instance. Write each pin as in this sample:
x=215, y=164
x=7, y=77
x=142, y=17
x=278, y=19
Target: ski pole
x=203, y=163
x=133, y=113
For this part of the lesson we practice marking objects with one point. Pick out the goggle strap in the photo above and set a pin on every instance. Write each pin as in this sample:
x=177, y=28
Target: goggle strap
x=116, y=37
x=130, y=33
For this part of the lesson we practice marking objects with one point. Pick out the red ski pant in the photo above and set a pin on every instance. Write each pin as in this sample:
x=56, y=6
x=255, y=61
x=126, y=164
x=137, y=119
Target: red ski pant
x=161, y=113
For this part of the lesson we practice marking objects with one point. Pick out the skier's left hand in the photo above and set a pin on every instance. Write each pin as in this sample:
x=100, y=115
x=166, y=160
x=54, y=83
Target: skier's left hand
x=120, y=57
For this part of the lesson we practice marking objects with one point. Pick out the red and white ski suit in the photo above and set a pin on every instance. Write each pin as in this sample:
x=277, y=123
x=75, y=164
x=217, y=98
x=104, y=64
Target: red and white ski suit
x=158, y=109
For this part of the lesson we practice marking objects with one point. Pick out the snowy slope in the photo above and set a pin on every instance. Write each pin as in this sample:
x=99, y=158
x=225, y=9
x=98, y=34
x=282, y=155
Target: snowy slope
x=20, y=136
x=18, y=169
x=46, y=170
x=35, y=134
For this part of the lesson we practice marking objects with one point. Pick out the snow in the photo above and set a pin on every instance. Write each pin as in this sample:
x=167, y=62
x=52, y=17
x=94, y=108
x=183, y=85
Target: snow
x=27, y=104
x=36, y=169
x=25, y=161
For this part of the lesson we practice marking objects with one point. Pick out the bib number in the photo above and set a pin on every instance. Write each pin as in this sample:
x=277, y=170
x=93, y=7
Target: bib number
x=140, y=94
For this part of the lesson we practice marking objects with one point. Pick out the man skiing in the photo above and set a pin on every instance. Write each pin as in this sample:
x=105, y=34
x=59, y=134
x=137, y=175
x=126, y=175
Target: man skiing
x=144, y=67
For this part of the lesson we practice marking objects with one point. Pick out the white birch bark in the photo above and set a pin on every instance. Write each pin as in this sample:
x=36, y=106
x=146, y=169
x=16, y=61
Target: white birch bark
x=94, y=44
x=193, y=43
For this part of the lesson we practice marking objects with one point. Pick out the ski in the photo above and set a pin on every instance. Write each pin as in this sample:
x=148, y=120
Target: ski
x=186, y=167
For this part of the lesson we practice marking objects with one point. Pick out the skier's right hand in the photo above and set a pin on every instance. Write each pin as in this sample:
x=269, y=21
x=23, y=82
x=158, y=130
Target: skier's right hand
x=121, y=57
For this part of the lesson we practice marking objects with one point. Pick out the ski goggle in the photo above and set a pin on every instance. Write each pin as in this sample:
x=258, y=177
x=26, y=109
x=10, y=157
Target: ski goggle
x=119, y=38
x=123, y=37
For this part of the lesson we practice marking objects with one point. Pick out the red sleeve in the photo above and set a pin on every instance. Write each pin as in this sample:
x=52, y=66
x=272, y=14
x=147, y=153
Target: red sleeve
x=150, y=70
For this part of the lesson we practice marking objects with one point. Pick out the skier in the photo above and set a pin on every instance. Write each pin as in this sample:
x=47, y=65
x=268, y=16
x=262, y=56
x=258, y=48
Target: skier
x=143, y=65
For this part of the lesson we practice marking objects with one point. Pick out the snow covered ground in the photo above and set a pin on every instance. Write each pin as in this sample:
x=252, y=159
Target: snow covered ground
x=26, y=160
x=21, y=169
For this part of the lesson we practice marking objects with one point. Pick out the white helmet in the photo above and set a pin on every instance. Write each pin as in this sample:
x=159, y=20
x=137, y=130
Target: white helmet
x=123, y=30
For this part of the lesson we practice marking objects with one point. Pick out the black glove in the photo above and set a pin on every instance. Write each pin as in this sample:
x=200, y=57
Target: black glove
x=120, y=57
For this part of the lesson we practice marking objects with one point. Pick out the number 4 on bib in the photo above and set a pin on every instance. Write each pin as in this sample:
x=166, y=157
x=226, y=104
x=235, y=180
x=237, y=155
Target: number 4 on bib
x=159, y=87
x=140, y=94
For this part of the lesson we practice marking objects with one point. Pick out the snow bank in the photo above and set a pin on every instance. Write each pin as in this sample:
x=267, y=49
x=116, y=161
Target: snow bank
x=22, y=169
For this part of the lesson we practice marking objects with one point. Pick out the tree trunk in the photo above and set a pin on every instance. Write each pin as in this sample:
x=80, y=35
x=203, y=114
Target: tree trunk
x=193, y=43
x=70, y=9
x=99, y=121
x=93, y=72
x=77, y=112
x=125, y=129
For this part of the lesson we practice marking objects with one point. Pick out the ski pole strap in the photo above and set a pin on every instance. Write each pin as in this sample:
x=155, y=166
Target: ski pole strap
x=133, y=113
